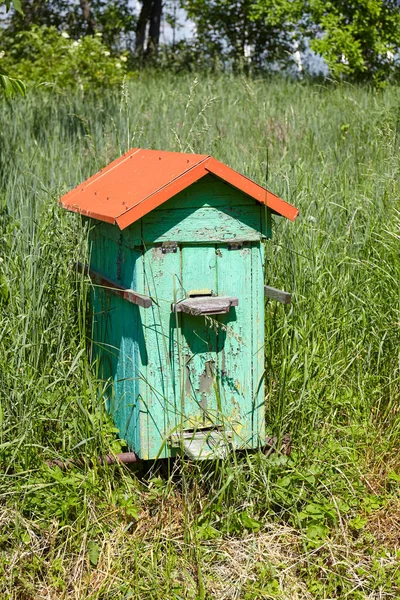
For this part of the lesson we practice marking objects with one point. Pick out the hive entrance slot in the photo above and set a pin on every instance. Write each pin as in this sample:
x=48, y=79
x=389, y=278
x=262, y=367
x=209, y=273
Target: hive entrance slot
x=204, y=443
x=204, y=429
x=200, y=295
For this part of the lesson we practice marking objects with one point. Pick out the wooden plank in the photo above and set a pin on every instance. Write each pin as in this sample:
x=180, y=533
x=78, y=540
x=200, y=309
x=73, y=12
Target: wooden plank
x=258, y=344
x=266, y=222
x=278, y=295
x=160, y=388
x=189, y=225
x=199, y=342
x=115, y=347
x=130, y=237
x=205, y=305
x=114, y=288
x=126, y=335
x=234, y=351
x=203, y=225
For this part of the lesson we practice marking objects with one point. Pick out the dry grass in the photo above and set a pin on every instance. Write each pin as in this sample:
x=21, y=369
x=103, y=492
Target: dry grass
x=267, y=564
x=384, y=525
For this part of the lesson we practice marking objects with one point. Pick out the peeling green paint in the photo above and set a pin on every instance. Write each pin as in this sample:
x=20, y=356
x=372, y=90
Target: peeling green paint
x=173, y=370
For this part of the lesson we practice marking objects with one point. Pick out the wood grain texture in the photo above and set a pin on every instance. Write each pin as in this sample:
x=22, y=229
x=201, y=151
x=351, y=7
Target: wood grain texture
x=186, y=218
x=238, y=370
x=117, y=348
x=160, y=385
x=279, y=295
x=203, y=225
x=209, y=191
x=257, y=345
x=111, y=287
x=206, y=305
x=199, y=341
x=174, y=371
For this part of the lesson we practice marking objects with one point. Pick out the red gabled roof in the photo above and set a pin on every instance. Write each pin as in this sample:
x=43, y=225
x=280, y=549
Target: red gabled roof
x=140, y=180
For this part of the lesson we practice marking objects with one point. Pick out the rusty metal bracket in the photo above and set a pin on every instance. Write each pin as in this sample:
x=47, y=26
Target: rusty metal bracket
x=114, y=288
x=167, y=247
x=235, y=245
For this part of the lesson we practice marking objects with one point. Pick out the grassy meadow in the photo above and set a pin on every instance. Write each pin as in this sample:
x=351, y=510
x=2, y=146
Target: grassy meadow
x=321, y=523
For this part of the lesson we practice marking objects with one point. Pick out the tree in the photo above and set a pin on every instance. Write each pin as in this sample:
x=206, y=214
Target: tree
x=113, y=18
x=15, y=3
x=149, y=17
x=11, y=85
x=87, y=15
x=257, y=33
x=357, y=39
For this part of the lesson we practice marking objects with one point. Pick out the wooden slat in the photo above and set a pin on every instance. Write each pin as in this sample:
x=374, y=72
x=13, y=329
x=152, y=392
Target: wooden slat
x=203, y=225
x=278, y=295
x=115, y=288
x=206, y=305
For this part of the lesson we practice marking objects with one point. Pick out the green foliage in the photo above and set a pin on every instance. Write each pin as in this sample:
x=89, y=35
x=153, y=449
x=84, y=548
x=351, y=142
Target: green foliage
x=11, y=85
x=360, y=40
x=43, y=56
x=357, y=40
x=229, y=29
x=115, y=20
x=251, y=526
x=15, y=3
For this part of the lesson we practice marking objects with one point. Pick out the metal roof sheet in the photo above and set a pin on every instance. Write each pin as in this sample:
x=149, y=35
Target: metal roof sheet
x=140, y=180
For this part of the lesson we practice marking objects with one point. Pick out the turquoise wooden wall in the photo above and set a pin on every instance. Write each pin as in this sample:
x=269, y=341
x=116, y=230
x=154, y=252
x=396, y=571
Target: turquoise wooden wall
x=167, y=370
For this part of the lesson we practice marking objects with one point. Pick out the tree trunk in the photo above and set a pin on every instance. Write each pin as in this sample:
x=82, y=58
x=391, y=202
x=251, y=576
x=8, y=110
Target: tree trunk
x=141, y=26
x=87, y=16
x=154, y=31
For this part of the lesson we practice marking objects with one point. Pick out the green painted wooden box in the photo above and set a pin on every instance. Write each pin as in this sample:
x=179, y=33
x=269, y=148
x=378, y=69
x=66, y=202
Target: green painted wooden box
x=179, y=381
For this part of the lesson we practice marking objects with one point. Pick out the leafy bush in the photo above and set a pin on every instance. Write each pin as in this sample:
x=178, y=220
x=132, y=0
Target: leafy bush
x=42, y=55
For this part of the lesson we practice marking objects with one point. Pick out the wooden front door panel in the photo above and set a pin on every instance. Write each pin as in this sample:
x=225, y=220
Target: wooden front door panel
x=204, y=371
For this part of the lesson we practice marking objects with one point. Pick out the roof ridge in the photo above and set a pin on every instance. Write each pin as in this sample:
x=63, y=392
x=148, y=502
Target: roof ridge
x=162, y=187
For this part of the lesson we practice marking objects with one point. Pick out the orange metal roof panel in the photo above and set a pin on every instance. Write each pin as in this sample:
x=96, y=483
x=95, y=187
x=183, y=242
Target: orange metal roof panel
x=127, y=181
x=252, y=189
x=162, y=195
x=140, y=180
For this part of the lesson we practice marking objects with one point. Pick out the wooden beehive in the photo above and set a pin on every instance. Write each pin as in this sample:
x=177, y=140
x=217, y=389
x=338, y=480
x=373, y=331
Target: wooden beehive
x=177, y=263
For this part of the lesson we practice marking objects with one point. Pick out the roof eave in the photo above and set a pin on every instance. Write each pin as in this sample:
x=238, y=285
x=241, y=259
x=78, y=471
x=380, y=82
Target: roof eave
x=249, y=187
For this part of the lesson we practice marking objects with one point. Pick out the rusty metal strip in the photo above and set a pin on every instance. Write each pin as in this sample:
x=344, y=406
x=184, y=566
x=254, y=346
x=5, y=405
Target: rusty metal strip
x=114, y=288
x=125, y=458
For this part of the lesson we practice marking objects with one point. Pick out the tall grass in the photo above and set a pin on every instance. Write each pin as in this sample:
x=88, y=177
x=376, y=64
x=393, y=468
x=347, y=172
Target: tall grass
x=332, y=358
